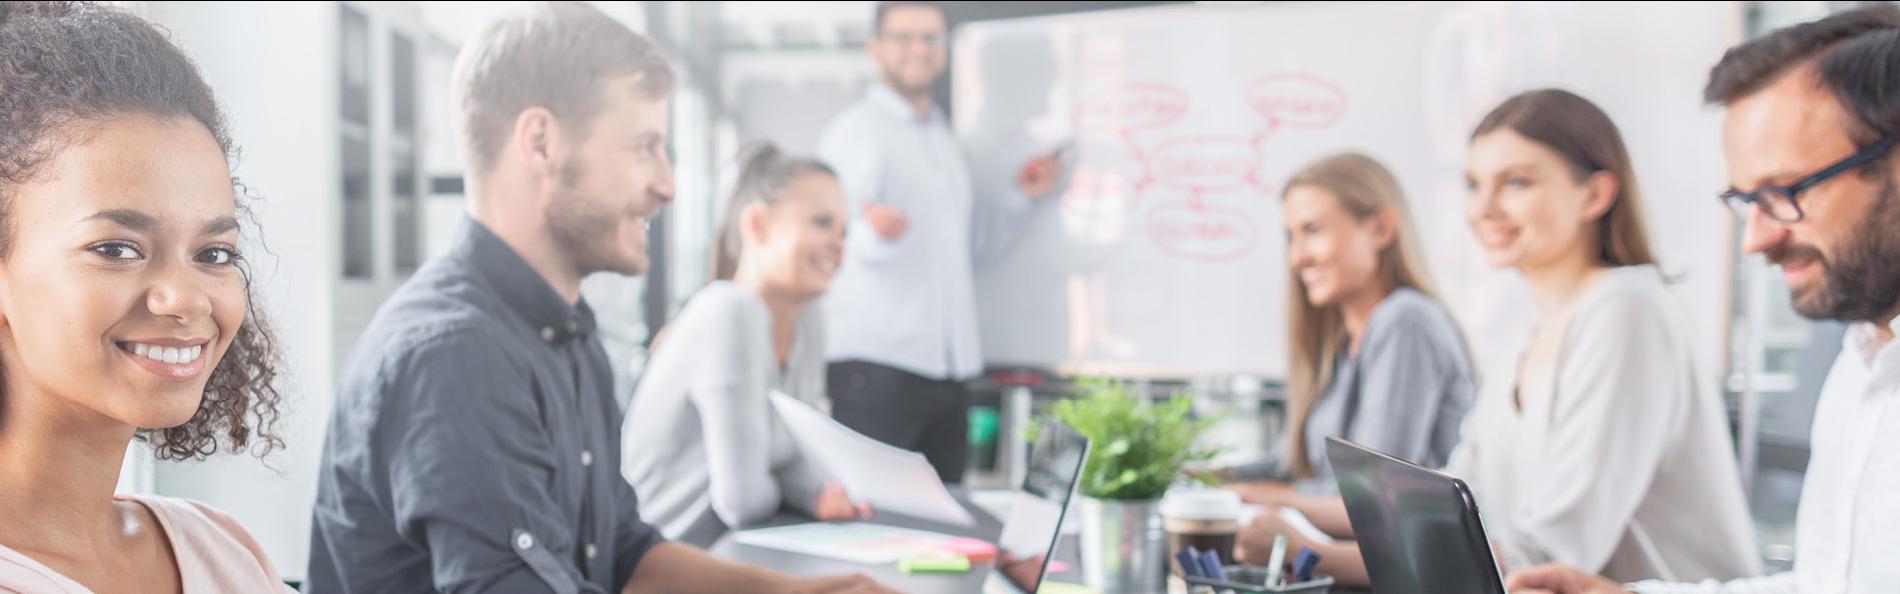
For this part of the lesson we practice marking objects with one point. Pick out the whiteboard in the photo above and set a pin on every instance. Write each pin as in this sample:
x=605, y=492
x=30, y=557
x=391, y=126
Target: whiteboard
x=1162, y=254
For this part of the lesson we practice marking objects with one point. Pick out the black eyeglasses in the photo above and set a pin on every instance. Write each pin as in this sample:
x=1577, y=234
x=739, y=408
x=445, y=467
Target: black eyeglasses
x=905, y=39
x=1779, y=202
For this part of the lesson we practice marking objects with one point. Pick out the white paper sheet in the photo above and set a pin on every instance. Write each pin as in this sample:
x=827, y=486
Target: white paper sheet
x=857, y=542
x=890, y=479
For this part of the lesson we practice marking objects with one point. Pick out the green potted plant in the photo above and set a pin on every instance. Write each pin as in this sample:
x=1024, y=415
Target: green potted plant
x=1138, y=448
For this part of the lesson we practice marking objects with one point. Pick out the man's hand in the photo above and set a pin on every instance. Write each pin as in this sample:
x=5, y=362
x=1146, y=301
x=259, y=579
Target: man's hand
x=833, y=505
x=1559, y=579
x=838, y=584
x=889, y=223
x=1038, y=176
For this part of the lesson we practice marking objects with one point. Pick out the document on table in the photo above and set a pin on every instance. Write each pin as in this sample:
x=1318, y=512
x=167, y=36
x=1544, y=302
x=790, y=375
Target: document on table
x=889, y=479
x=857, y=542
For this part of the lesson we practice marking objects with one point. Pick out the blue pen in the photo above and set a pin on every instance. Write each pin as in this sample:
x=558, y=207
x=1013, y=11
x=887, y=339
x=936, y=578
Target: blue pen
x=1210, y=566
x=1190, y=560
x=1303, y=565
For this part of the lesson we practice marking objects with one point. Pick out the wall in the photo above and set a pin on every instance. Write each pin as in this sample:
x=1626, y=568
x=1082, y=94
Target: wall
x=272, y=67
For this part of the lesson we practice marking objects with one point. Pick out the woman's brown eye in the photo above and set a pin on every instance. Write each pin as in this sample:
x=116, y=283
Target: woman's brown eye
x=117, y=251
x=218, y=256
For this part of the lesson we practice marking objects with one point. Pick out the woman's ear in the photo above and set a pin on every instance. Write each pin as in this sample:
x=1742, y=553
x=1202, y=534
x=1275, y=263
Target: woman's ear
x=1385, y=227
x=753, y=227
x=1602, y=190
x=5, y=320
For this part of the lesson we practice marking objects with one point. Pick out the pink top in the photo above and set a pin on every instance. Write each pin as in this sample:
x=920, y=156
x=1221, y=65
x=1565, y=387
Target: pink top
x=215, y=555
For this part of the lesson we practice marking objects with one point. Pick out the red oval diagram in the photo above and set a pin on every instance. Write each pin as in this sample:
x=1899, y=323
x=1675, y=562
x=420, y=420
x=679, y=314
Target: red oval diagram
x=1297, y=100
x=1205, y=164
x=1202, y=232
x=1131, y=107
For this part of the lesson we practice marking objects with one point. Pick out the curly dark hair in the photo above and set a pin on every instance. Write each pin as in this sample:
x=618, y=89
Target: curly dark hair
x=67, y=63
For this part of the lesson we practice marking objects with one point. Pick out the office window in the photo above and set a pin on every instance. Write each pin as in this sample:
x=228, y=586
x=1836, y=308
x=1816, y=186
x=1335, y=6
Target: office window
x=353, y=78
x=405, y=154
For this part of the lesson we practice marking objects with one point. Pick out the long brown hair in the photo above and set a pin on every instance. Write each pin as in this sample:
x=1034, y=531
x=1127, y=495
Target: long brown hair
x=1365, y=189
x=1589, y=143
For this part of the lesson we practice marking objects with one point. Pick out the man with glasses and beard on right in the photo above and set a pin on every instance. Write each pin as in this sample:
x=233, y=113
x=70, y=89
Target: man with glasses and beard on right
x=1813, y=117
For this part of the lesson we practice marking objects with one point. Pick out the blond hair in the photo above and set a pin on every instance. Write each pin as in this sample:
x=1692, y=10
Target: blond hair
x=554, y=55
x=1365, y=189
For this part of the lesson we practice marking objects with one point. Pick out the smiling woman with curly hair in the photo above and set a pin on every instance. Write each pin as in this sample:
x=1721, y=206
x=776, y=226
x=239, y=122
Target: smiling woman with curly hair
x=124, y=310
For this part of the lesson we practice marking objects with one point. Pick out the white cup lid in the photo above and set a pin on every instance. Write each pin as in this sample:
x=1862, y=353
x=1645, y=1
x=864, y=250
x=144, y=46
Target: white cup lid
x=1200, y=503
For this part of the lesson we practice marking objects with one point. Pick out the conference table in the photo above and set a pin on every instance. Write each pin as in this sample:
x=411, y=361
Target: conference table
x=1067, y=558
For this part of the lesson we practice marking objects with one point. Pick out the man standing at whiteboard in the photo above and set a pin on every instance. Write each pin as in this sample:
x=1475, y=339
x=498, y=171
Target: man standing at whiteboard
x=902, y=308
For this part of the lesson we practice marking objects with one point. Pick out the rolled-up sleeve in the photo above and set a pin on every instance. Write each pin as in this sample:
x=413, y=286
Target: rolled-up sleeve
x=850, y=147
x=1001, y=210
x=470, y=470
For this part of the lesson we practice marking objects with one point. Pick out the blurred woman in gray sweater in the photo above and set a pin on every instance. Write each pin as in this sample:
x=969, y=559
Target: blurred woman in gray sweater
x=702, y=444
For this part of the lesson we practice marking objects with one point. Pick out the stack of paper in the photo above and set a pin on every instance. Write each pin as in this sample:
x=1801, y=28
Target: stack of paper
x=889, y=479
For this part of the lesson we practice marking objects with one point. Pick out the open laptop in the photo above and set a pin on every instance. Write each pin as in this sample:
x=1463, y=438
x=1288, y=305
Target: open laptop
x=1418, y=528
x=1035, y=517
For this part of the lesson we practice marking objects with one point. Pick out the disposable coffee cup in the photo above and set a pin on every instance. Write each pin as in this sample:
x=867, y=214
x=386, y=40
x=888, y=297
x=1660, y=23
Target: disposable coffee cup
x=1206, y=519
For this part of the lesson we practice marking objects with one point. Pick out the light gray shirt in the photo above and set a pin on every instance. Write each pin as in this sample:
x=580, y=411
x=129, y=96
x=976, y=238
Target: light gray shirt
x=910, y=303
x=702, y=446
x=1621, y=464
x=1405, y=393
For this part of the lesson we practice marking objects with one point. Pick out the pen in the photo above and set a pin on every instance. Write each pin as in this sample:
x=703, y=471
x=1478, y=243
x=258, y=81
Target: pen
x=1276, y=561
x=1210, y=566
x=1304, y=563
x=1190, y=561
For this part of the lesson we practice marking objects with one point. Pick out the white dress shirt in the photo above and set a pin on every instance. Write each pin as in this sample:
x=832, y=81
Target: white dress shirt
x=1847, y=540
x=908, y=303
x=1619, y=463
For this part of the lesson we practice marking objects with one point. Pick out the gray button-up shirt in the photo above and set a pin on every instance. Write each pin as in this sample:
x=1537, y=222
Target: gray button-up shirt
x=474, y=446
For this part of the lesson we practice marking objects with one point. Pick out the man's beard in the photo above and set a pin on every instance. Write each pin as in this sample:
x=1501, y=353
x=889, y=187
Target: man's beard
x=1862, y=283
x=586, y=230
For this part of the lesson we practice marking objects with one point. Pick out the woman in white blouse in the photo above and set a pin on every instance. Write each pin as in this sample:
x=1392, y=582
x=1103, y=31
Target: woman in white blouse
x=701, y=443
x=1597, y=444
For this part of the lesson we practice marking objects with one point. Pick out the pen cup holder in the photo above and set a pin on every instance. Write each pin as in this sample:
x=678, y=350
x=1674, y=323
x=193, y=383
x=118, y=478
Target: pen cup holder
x=1248, y=579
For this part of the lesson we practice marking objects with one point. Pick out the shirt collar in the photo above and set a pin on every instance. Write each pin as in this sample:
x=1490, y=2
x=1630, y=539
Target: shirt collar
x=521, y=289
x=1861, y=341
x=886, y=97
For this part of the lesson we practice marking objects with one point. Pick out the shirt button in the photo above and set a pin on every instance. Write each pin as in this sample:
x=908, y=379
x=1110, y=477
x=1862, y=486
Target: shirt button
x=573, y=326
x=547, y=334
x=524, y=541
x=587, y=458
x=592, y=552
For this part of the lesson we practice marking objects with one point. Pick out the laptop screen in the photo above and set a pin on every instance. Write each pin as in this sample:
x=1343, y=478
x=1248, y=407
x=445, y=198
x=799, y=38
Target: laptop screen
x=1418, y=529
x=1035, y=517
